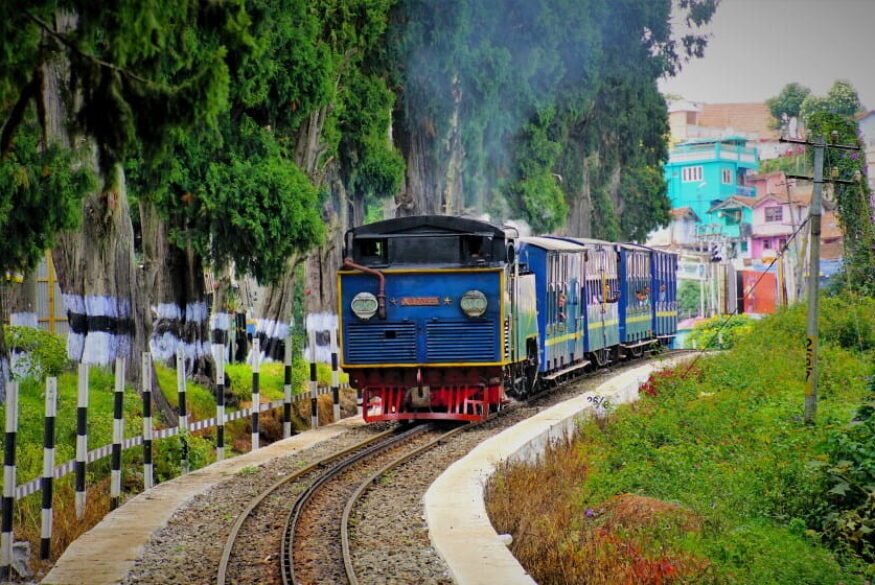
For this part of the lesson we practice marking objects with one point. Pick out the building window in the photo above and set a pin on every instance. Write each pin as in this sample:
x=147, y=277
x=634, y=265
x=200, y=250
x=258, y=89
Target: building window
x=691, y=174
x=726, y=176
x=774, y=213
x=744, y=246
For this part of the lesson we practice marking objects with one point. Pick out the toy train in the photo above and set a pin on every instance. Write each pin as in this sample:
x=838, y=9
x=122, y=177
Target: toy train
x=443, y=317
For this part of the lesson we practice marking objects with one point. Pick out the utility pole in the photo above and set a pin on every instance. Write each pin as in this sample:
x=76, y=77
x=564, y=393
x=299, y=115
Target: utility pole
x=815, y=213
x=814, y=218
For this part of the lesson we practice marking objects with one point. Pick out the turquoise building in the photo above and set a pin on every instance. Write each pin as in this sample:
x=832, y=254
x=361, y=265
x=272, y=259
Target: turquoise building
x=703, y=173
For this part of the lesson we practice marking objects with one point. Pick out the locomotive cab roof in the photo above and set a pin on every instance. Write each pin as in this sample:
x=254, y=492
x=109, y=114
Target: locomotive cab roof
x=427, y=239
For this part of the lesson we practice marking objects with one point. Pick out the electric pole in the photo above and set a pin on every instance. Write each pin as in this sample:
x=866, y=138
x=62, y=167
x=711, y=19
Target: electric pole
x=815, y=213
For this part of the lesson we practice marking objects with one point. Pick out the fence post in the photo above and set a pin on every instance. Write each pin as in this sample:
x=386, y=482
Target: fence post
x=81, y=439
x=48, y=478
x=148, y=478
x=118, y=434
x=335, y=378
x=9, y=484
x=183, y=410
x=287, y=388
x=219, y=356
x=314, y=389
x=256, y=393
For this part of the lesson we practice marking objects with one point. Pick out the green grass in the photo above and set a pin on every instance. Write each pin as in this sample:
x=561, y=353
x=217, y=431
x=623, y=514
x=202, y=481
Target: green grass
x=729, y=444
x=199, y=400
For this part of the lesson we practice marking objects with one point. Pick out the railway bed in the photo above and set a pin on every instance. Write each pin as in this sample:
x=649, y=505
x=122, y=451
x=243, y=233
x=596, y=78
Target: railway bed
x=388, y=543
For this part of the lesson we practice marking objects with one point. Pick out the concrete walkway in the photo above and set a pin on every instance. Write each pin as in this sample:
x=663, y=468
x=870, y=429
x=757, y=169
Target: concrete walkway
x=105, y=554
x=455, y=510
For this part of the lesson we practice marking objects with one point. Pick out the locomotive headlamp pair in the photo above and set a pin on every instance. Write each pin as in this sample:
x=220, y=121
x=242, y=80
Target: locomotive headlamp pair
x=364, y=305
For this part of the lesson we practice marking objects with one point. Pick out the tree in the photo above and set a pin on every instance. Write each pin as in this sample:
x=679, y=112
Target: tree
x=841, y=99
x=110, y=78
x=501, y=107
x=788, y=101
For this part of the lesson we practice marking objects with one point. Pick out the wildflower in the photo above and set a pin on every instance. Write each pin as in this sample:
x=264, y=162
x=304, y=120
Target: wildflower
x=589, y=513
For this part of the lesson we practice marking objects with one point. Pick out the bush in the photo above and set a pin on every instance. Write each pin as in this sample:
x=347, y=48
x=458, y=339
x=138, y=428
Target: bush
x=845, y=512
x=719, y=332
x=46, y=353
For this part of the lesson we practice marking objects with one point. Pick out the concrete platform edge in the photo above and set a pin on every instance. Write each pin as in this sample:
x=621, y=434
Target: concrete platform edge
x=455, y=510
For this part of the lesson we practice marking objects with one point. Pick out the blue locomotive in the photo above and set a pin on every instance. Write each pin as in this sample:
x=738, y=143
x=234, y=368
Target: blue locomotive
x=442, y=317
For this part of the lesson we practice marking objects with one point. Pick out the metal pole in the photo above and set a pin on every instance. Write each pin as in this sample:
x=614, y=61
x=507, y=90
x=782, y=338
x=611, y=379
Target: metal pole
x=287, y=387
x=181, y=391
x=48, y=478
x=314, y=388
x=813, y=274
x=146, y=375
x=256, y=391
x=335, y=377
x=9, y=479
x=81, y=439
x=219, y=356
x=118, y=434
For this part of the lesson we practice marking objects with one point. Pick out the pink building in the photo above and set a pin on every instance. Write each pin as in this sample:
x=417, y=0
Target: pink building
x=774, y=219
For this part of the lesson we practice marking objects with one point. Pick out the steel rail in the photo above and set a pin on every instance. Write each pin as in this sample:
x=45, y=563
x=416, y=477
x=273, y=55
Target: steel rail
x=347, y=511
x=221, y=576
x=287, y=565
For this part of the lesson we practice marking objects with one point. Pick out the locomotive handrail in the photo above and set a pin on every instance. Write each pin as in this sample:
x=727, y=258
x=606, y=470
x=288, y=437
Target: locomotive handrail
x=381, y=295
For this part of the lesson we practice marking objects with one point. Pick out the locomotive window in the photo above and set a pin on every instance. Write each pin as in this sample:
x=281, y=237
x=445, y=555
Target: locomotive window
x=424, y=250
x=371, y=251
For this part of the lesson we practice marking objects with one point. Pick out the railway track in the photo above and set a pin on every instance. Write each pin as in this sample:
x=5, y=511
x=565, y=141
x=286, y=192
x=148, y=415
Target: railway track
x=372, y=459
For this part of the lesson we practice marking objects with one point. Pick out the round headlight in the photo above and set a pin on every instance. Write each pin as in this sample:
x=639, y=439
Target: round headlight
x=364, y=305
x=473, y=303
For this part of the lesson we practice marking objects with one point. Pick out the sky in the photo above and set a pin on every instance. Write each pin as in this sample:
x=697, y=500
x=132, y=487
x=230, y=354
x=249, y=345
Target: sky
x=758, y=46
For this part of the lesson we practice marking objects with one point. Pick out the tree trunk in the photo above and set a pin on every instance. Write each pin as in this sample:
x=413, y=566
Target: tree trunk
x=174, y=278
x=4, y=353
x=22, y=313
x=95, y=264
x=579, y=222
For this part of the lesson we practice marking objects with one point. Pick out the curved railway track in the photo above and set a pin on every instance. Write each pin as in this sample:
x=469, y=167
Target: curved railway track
x=332, y=467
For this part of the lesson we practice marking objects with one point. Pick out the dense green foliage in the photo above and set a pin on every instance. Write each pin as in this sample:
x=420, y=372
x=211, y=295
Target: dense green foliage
x=719, y=332
x=40, y=191
x=548, y=97
x=841, y=99
x=46, y=353
x=853, y=201
x=789, y=101
x=726, y=441
x=689, y=293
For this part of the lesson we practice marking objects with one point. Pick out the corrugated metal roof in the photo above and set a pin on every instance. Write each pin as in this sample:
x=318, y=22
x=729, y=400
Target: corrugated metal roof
x=550, y=244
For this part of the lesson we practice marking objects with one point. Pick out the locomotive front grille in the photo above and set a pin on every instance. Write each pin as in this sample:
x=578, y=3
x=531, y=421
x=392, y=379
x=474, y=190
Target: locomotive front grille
x=462, y=341
x=371, y=343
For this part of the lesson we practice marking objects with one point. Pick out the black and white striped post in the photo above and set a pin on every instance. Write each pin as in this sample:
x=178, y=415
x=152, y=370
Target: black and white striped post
x=183, y=409
x=256, y=391
x=118, y=434
x=148, y=469
x=335, y=377
x=8, y=479
x=314, y=389
x=81, y=439
x=287, y=388
x=219, y=356
x=48, y=478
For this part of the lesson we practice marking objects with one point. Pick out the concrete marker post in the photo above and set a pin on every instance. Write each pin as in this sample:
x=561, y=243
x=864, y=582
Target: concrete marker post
x=314, y=389
x=183, y=409
x=118, y=434
x=48, y=478
x=148, y=469
x=81, y=439
x=220, y=402
x=335, y=377
x=256, y=391
x=9, y=482
x=287, y=388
